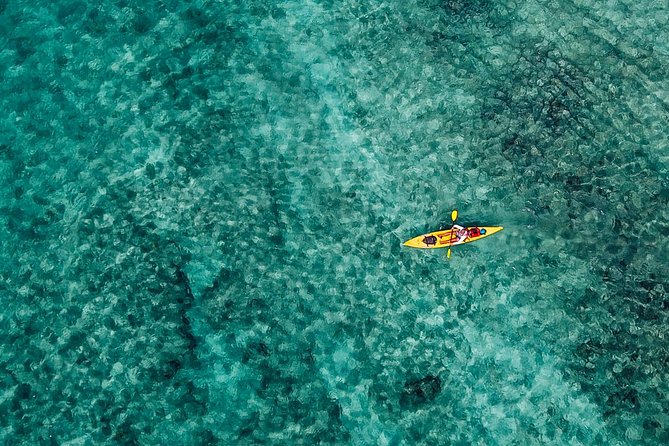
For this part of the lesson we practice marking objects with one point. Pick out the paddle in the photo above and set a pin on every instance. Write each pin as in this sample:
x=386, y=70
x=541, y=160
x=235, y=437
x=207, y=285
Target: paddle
x=454, y=216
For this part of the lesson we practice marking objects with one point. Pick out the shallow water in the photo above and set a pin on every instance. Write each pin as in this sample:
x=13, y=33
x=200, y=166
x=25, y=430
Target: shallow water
x=204, y=207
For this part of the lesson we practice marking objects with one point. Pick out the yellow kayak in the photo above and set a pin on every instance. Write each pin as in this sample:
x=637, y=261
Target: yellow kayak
x=448, y=237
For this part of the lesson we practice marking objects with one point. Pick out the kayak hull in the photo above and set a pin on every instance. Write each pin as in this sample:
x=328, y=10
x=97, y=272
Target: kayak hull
x=448, y=237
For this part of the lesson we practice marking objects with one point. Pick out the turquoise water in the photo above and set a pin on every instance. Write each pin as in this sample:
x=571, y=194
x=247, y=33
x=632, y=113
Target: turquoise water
x=204, y=204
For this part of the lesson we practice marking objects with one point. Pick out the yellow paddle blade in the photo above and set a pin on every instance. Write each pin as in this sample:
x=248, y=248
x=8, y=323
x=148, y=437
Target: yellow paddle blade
x=454, y=214
x=448, y=254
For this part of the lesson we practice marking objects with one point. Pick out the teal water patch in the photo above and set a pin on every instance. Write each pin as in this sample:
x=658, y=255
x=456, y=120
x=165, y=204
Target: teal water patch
x=205, y=204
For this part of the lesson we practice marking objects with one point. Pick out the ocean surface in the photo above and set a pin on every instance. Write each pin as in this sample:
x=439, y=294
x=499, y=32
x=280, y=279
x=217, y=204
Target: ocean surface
x=203, y=206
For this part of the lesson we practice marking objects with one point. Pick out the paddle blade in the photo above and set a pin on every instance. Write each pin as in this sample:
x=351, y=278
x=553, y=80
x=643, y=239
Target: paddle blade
x=448, y=254
x=454, y=214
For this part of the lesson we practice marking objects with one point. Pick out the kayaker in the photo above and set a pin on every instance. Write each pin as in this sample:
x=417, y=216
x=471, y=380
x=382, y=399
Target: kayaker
x=462, y=233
